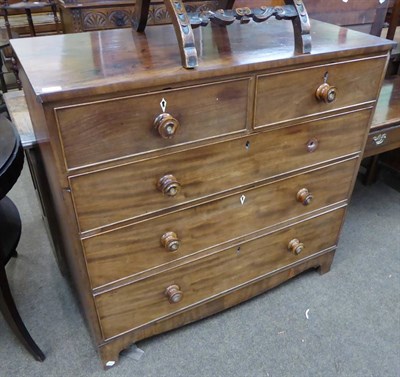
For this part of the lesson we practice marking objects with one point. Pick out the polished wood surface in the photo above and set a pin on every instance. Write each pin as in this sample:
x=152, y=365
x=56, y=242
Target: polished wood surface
x=133, y=124
x=383, y=140
x=355, y=82
x=385, y=127
x=184, y=23
x=101, y=63
x=321, y=261
x=387, y=110
x=149, y=221
x=108, y=196
x=367, y=16
x=144, y=301
x=19, y=114
x=133, y=249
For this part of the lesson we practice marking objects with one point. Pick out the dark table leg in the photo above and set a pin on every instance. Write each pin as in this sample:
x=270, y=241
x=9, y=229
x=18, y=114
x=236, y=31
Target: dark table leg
x=10, y=231
x=11, y=315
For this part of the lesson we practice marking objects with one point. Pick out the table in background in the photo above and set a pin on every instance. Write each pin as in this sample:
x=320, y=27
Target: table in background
x=19, y=114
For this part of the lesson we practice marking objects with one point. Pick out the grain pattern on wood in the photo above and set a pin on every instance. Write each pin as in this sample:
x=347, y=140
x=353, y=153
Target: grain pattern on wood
x=383, y=140
x=387, y=110
x=18, y=110
x=385, y=128
x=132, y=249
x=355, y=82
x=113, y=61
x=223, y=195
x=144, y=301
x=129, y=121
x=110, y=350
x=363, y=15
x=129, y=191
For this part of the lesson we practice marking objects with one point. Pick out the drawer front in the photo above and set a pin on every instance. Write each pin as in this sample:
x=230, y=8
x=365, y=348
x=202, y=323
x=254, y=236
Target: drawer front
x=105, y=130
x=132, y=249
x=144, y=301
x=285, y=96
x=128, y=191
x=383, y=140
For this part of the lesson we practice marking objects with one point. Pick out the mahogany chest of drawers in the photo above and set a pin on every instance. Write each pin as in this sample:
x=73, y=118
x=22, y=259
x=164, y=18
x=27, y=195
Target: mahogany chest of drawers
x=180, y=193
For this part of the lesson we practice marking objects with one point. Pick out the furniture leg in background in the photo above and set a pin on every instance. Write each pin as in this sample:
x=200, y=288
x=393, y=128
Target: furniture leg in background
x=11, y=161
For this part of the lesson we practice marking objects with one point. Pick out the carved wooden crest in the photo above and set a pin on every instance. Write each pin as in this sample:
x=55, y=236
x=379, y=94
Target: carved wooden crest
x=184, y=22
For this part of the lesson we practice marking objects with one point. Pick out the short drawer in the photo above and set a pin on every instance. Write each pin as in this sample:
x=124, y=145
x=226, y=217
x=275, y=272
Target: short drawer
x=129, y=250
x=383, y=140
x=286, y=96
x=142, y=302
x=129, y=191
x=105, y=130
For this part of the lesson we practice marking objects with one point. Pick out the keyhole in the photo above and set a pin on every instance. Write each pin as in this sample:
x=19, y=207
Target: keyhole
x=312, y=145
x=247, y=145
x=163, y=105
x=242, y=199
x=238, y=251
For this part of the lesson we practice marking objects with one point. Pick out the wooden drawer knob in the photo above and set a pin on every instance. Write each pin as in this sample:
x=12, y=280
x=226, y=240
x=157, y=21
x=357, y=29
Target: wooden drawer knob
x=169, y=185
x=295, y=246
x=166, y=125
x=304, y=196
x=326, y=93
x=170, y=241
x=174, y=294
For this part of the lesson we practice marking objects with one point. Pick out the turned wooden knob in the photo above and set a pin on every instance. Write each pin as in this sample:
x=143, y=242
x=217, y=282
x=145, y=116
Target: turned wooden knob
x=326, y=93
x=295, y=246
x=174, y=294
x=166, y=125
x=168, y=185
x=304, y=197
x=170, y=241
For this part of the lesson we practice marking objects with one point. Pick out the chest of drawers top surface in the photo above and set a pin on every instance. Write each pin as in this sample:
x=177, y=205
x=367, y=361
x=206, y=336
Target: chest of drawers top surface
x=77, y=65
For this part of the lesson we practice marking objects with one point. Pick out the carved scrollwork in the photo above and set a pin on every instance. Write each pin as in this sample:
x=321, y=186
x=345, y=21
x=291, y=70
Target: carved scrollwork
x=76, y=20
x=158, y=14
x=161, y=15
x=94, y=20
x=120, y=18
x=202, y=7
x=244, y=15
x=184, y=22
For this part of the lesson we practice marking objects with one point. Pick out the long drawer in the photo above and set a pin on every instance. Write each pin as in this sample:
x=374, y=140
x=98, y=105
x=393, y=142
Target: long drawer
x=286, y=96
x=132, y=249
x=90, y=132
x=129, y=191
x=142, y=302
